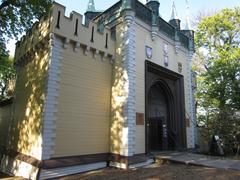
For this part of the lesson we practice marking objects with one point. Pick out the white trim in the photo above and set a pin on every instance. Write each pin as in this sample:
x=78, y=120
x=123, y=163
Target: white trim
x=191, y=130
x=65, y=171
x=50, y=107
x=17, y=167
x=118, y=165
x=142, y=164
x=129, y=64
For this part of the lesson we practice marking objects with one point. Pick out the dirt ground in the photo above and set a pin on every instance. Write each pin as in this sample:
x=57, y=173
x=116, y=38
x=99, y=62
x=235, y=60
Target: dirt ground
x=160, y=172
x=154, y=172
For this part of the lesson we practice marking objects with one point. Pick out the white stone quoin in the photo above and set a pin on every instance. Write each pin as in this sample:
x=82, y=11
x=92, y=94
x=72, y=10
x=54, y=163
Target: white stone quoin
x=50, y=108
x=129, y=64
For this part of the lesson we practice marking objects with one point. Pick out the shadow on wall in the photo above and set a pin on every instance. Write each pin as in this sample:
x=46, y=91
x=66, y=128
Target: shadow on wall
x=25, y=134
x=120, y=93
x=118, y=102
x=5, y=117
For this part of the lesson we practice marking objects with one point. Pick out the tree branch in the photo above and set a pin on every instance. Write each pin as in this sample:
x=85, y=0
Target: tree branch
x=205, y=66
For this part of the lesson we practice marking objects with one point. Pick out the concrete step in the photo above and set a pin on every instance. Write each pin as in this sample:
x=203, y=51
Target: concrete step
x=197, y=160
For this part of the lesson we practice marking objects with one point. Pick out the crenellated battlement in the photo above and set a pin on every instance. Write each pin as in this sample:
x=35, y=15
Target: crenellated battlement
x=71, y=30
x=30, y=41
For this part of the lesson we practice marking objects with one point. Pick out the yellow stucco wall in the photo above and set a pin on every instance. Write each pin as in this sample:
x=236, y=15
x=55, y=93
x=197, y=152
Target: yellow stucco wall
x=144, y=39
x=26, y=128
x=5, y=119
x=83, y=106
x=118, y=98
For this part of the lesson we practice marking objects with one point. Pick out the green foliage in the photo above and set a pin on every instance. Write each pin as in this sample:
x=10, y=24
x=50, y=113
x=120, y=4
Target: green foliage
x=7, y=73
x=218, y=94
x=18, y=15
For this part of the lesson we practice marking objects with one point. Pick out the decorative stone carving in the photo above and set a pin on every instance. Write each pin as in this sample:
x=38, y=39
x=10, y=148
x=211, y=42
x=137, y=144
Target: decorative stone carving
x=95, y=53
x=104, y=56
x=52, y=39
x=154, y=30
x=148, y=52
x=154, y=33
x=166, y=60
x=180, y=67
x=128, y=19
x=66, y=43
x=77, y=47
x=112, y=59
x=165, y=55
x=86, y=50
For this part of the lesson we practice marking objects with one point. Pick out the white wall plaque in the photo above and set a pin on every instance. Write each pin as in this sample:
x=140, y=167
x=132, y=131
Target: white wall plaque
x=165, y=49
x=148, y=52
x=166, y=63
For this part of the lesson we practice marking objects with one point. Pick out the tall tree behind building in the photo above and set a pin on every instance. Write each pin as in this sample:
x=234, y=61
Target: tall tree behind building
x=7, y=77
x=16, y=16
x=218, y=94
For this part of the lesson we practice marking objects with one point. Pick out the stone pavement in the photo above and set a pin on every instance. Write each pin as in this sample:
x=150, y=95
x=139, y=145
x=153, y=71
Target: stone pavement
x=198, y=159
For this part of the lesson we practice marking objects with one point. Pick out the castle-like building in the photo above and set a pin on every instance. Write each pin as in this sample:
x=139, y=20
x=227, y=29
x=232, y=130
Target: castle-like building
x=108, y=92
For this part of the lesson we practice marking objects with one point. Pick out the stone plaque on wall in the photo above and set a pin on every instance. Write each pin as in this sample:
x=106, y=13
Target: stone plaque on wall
x=139, y=118
x=166, y=60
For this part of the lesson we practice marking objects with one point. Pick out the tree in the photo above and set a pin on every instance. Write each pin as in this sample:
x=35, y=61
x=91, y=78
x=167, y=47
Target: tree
x=18, y=15
x=218, y=94
x=7, y=74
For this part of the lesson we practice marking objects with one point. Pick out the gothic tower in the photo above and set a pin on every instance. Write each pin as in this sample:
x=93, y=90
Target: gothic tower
x=91, y=6
x=174, y=20
x=91, y=12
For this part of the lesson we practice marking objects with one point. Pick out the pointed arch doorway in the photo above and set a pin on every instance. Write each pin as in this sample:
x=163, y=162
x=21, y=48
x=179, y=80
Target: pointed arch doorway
x=164, y=109
x=158, y=119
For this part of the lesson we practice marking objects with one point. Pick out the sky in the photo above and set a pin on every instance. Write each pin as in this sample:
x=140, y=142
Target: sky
x=165, y=6
x=196, y=6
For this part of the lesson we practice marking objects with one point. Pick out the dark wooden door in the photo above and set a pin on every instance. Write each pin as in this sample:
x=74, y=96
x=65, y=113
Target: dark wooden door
x=157, y=119
x=155, y=134
x=164, y=98
x=158, y=134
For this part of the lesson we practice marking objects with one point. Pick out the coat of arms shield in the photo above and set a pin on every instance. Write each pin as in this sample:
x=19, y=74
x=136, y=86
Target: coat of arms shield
x=148, y=52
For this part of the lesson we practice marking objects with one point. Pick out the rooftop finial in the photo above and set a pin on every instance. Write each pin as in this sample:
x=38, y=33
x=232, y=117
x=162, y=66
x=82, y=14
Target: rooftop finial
x=91, y=6
x=187, y=25
x=174, y=11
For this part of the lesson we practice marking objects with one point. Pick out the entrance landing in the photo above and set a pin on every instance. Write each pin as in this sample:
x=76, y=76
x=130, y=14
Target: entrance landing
x=198, y=160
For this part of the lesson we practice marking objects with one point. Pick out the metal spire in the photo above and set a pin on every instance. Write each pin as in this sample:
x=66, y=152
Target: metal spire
x=174, y=11
x=187, y=25
x=91, y=6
